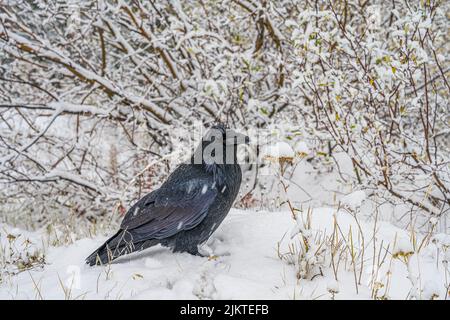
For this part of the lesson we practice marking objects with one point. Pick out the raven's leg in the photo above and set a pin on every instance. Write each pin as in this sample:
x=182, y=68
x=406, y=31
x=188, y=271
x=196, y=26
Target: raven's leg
x=184, y=242
x=189, y=248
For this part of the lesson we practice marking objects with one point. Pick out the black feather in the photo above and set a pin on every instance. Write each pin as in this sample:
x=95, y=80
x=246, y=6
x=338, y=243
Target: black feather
x=184, y=211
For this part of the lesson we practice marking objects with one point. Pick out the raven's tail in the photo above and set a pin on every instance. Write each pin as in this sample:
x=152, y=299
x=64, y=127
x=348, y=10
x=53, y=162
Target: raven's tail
x=104, y=254
x=118, y=245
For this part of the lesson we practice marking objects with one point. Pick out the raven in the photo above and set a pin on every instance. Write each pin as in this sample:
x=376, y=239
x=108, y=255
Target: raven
x=189, y=205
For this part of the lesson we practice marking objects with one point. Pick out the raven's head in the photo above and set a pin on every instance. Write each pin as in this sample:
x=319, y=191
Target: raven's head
x=219, y=146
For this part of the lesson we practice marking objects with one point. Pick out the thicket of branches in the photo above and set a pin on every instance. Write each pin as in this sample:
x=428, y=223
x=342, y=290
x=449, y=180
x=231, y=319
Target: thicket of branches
x=92, y=92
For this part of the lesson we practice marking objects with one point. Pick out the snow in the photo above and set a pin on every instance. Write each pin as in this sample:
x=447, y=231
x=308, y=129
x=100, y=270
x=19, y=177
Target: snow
x=215, y=88
x=74, y=108
x=302, y=148
x=354, y=200
x=333, y=286
x=279, y=150
x=403, y=246
x=244, y=264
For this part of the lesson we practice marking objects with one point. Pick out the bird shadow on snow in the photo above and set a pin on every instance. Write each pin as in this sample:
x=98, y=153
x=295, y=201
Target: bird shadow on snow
x=158, y=252
x=154, y=252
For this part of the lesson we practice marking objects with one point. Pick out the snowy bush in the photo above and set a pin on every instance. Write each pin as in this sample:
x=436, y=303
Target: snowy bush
x=91, y=93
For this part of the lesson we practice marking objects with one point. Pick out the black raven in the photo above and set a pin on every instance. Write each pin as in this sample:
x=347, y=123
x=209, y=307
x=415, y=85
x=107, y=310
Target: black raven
x=188, y=207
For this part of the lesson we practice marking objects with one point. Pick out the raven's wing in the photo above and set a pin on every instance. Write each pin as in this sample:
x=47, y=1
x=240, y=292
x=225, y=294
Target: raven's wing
x=169, y=210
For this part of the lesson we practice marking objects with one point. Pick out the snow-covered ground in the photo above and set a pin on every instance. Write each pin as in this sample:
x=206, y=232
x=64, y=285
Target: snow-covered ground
x=250, y=259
